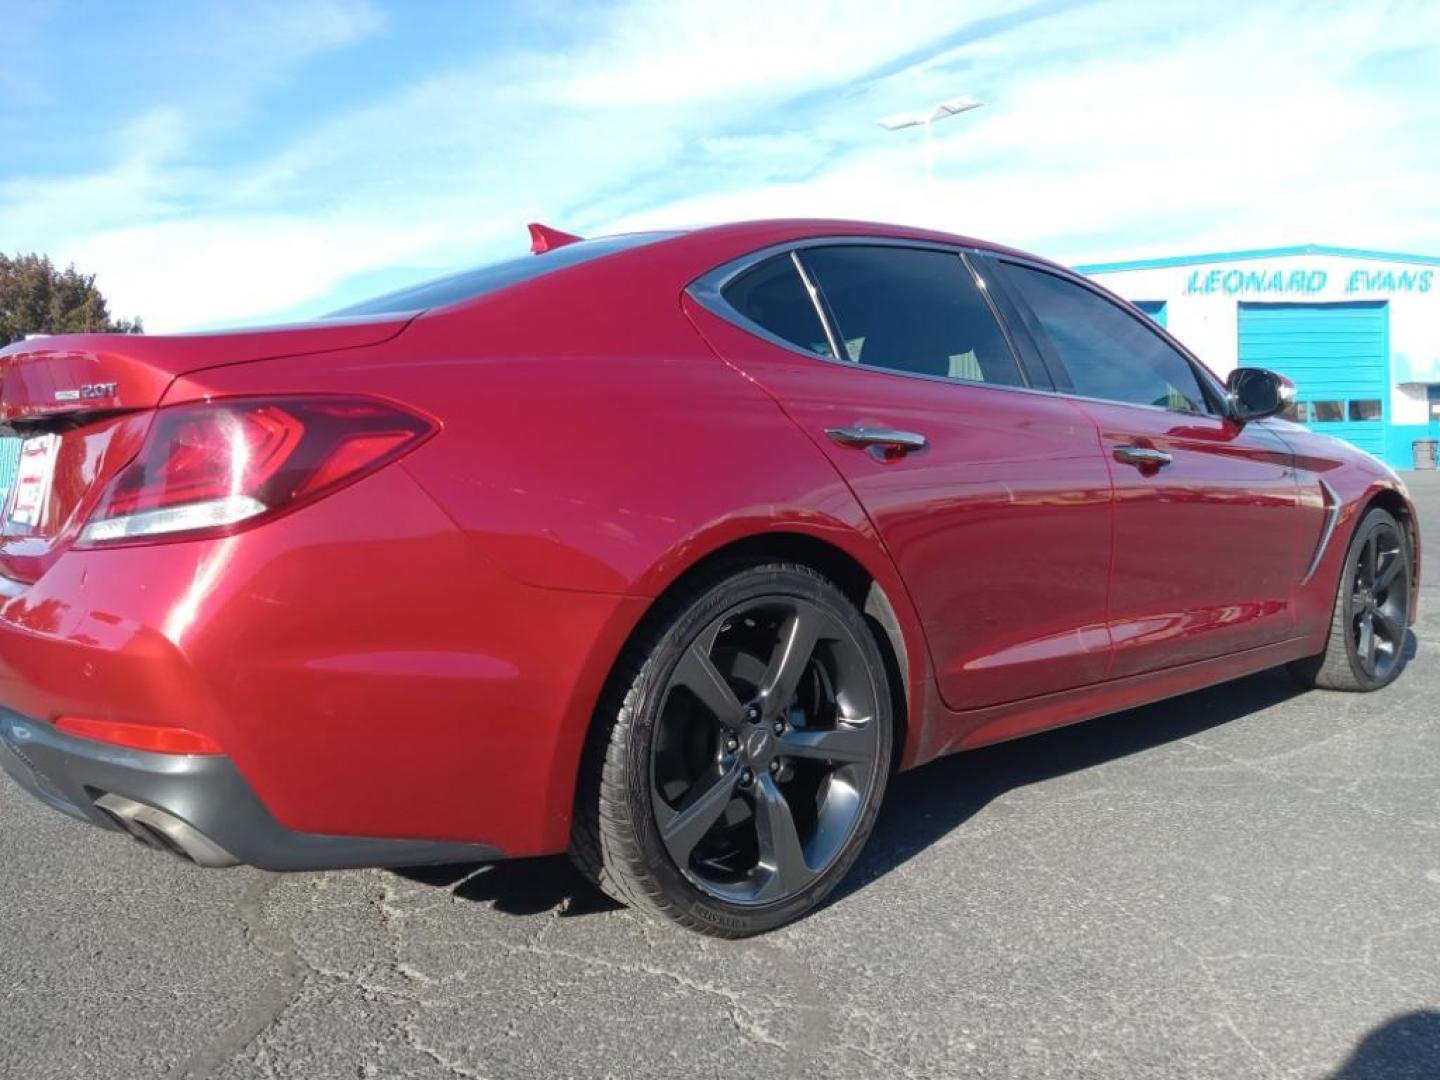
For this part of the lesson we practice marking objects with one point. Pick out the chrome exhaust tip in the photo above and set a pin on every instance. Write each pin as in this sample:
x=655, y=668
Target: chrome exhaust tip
x=164, y=831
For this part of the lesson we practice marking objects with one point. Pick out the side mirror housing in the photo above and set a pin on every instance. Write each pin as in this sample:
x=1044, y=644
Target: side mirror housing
x=1256, y=393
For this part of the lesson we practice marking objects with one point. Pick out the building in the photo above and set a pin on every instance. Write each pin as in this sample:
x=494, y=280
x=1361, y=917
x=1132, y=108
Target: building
x=1358, y=331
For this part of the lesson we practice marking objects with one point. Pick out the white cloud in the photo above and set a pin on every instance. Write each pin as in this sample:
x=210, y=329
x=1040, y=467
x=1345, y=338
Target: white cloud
x=1249, y=127
x=1112, y=128
x=202, y=271
x=662, y=53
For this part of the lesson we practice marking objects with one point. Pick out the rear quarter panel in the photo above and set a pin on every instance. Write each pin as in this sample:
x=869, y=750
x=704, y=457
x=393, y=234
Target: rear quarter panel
x=598, y=452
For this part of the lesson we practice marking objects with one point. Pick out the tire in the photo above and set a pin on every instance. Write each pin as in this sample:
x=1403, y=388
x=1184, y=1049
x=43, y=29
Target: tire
x=1376, y=582
x=739, y=754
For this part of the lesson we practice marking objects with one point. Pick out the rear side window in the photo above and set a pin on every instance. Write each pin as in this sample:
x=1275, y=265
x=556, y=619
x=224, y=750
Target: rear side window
x=1107, y=351
x=774, y=298
x=469, y=284
x=911, y=310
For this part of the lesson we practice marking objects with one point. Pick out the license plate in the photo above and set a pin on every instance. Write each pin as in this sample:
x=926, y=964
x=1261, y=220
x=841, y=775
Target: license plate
x=32, y=481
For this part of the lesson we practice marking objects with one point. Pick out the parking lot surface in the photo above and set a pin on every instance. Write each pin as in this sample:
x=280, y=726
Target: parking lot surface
x=1244, y=882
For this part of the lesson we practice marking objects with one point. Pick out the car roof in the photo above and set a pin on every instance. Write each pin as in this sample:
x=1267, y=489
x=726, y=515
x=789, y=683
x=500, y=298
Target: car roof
x=747, y=236
x=676, y=258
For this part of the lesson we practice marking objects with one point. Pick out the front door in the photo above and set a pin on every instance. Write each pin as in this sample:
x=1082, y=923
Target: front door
x=1206, y=510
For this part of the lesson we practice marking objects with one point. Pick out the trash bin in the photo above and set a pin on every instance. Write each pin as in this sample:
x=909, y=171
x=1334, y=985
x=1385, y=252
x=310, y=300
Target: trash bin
x=1425, y=452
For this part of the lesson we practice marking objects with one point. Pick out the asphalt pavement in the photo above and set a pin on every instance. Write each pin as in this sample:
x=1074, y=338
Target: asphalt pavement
x=1244, y=882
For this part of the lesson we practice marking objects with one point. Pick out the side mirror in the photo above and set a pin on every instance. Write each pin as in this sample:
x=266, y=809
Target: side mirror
x=1256, y=393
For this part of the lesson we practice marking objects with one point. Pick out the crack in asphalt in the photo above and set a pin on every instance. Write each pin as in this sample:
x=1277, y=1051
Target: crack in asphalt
x=1324, y=793
x=273, y=999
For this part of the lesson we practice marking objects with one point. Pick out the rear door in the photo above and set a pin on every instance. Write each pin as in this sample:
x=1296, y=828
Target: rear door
x=993, y=499
x=1206, y=510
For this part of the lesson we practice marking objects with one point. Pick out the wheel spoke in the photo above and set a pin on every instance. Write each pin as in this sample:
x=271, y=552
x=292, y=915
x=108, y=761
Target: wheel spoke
x=781, y=853
x=698, y=674
x=683, y=828
x=1368, y=558
x=842, y=744
x=1387, y=624
x=1365, y=648
x=1391, y=570
x=795, y=645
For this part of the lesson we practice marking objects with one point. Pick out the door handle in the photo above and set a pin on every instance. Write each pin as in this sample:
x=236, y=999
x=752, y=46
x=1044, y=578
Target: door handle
x=1143, y=457
x=890, y=442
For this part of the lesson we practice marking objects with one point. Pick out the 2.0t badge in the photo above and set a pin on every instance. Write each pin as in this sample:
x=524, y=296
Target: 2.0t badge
x=100, y=391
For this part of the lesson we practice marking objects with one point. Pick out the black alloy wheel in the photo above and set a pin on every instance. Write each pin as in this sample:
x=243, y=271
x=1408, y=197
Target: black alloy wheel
x=1380, y=601
x=1369, y=631
x=764, y=749
x=743, y=772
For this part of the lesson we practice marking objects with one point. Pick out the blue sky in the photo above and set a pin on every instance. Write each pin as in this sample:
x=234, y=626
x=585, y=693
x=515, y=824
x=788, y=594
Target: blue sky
x=245, y=161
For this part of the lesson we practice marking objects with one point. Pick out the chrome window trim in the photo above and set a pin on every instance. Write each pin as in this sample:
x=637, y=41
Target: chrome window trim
x=819, y=307
x=708, y=290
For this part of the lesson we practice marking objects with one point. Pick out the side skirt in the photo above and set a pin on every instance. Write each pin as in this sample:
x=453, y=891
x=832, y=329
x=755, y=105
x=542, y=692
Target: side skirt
x=955, y=731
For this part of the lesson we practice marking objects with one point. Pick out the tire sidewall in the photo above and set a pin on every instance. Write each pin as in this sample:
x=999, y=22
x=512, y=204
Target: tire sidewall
x=1370, y=523
x=741, y=587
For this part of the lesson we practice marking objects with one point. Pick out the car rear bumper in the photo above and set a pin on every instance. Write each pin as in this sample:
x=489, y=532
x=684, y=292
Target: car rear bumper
x=198, y=807
x=365, y=674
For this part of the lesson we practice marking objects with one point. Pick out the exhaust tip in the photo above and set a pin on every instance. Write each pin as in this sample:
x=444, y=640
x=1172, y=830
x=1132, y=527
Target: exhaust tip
x=164, y=831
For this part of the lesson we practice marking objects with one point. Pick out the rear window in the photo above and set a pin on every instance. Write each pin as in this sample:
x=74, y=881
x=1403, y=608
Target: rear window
x=468, y=284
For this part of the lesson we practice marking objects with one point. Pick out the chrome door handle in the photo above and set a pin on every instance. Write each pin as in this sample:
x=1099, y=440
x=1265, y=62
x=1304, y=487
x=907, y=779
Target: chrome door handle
x=1145, y=457
x=893, y=443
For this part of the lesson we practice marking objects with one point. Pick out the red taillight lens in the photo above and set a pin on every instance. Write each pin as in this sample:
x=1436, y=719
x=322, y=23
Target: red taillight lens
x=152, y=737
x=210, y=466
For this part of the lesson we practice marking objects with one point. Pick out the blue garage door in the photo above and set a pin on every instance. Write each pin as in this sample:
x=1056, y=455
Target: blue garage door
x=1338, y=356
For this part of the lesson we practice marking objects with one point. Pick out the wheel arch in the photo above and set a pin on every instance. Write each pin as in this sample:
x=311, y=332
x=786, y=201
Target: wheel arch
x=863, y=589
x=866, y=577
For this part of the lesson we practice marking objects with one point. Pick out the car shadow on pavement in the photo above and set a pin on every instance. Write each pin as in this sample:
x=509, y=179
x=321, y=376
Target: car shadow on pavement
x=924, y=806
x=1405, y=1048
x=920, y=808
x=518, y=887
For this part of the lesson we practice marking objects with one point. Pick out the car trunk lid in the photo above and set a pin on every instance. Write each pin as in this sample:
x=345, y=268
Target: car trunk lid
x=74, y=409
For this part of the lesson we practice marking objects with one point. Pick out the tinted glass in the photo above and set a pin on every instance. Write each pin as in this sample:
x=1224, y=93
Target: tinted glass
x=1298, y=411
x=469, y=284
x=908, y=309
x=9, y=466
x=773, y=296
x=1108, y=352
x=1327, y=412
x=1365, y=410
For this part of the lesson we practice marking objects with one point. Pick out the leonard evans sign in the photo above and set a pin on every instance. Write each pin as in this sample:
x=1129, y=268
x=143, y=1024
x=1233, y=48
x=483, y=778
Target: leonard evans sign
x=1310, y=281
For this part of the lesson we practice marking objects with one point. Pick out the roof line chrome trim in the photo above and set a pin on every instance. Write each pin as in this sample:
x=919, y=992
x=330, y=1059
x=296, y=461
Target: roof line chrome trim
x=1332, y=518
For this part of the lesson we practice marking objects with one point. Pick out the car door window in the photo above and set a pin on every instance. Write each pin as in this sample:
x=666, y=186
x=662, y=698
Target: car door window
x=773, y=297
x=913, y=310
x=1107, y=352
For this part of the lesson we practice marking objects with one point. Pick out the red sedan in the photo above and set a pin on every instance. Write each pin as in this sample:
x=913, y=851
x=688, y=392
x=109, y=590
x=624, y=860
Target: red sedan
x=665, y=549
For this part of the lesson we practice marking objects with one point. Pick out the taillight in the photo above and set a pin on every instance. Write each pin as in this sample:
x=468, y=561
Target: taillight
x=211, y=466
